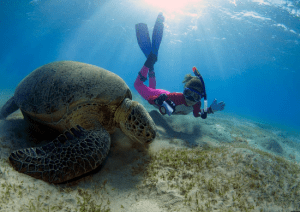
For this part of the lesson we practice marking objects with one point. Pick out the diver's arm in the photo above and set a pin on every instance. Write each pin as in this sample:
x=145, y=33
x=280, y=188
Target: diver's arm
x=198, y=111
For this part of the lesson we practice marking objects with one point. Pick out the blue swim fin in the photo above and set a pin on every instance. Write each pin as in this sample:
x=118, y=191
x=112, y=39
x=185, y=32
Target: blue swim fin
x=157, y=33
x=143, y=38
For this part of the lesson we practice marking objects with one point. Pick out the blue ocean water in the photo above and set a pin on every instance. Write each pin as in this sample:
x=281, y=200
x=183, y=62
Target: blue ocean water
x=247, y=51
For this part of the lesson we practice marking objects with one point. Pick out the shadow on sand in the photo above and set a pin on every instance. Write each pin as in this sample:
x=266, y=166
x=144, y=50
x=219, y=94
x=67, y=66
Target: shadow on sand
x=171, y=127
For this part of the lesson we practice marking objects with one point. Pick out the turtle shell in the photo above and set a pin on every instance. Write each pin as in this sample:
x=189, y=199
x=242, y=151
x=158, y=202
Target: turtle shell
x=55, y=90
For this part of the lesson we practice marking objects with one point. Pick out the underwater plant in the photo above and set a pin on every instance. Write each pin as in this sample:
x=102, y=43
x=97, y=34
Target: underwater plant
x=238, y=176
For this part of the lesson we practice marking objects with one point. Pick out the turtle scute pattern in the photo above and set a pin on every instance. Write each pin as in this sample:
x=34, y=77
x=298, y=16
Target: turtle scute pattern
x=135, y=121
x=140, y=126
x=70, y=155
x=57, y=87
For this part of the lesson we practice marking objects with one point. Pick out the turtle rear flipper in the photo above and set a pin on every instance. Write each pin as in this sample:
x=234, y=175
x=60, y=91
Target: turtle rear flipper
x=8, y=108
x=70, y=155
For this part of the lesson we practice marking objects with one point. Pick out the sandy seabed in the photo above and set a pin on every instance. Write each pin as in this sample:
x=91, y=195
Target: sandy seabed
x=219, y=164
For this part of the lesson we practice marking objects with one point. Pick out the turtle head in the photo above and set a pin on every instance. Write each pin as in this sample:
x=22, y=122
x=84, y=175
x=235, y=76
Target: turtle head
x=135, y=121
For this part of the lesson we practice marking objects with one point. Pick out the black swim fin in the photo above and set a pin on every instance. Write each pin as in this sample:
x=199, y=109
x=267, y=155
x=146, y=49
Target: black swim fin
x=157, y=33
x=143, y=38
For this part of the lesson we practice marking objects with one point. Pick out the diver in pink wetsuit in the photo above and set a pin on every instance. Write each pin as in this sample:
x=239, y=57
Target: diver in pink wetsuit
x=167, y=102
x=175, y=103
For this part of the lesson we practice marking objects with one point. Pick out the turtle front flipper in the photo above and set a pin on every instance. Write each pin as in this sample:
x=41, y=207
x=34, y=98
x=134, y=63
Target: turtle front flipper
x=70, y=155
x=8, y=108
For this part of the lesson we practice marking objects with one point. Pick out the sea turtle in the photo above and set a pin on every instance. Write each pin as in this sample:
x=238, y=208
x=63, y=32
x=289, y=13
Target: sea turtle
x=84, y=104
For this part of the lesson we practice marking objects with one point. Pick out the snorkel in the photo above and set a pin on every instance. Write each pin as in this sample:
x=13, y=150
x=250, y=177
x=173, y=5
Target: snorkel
x=197, y=74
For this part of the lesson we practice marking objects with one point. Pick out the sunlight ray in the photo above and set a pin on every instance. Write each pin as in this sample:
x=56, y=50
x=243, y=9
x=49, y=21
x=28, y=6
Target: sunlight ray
x=170, y=5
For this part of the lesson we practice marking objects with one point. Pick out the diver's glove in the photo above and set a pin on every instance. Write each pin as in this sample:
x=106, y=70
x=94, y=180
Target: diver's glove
x=151, y=60
x=166, y=105
x=215, y=106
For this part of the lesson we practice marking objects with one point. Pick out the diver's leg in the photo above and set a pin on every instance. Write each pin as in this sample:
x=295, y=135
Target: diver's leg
x=142, y=89
x=139, y=82
x=152, y=79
